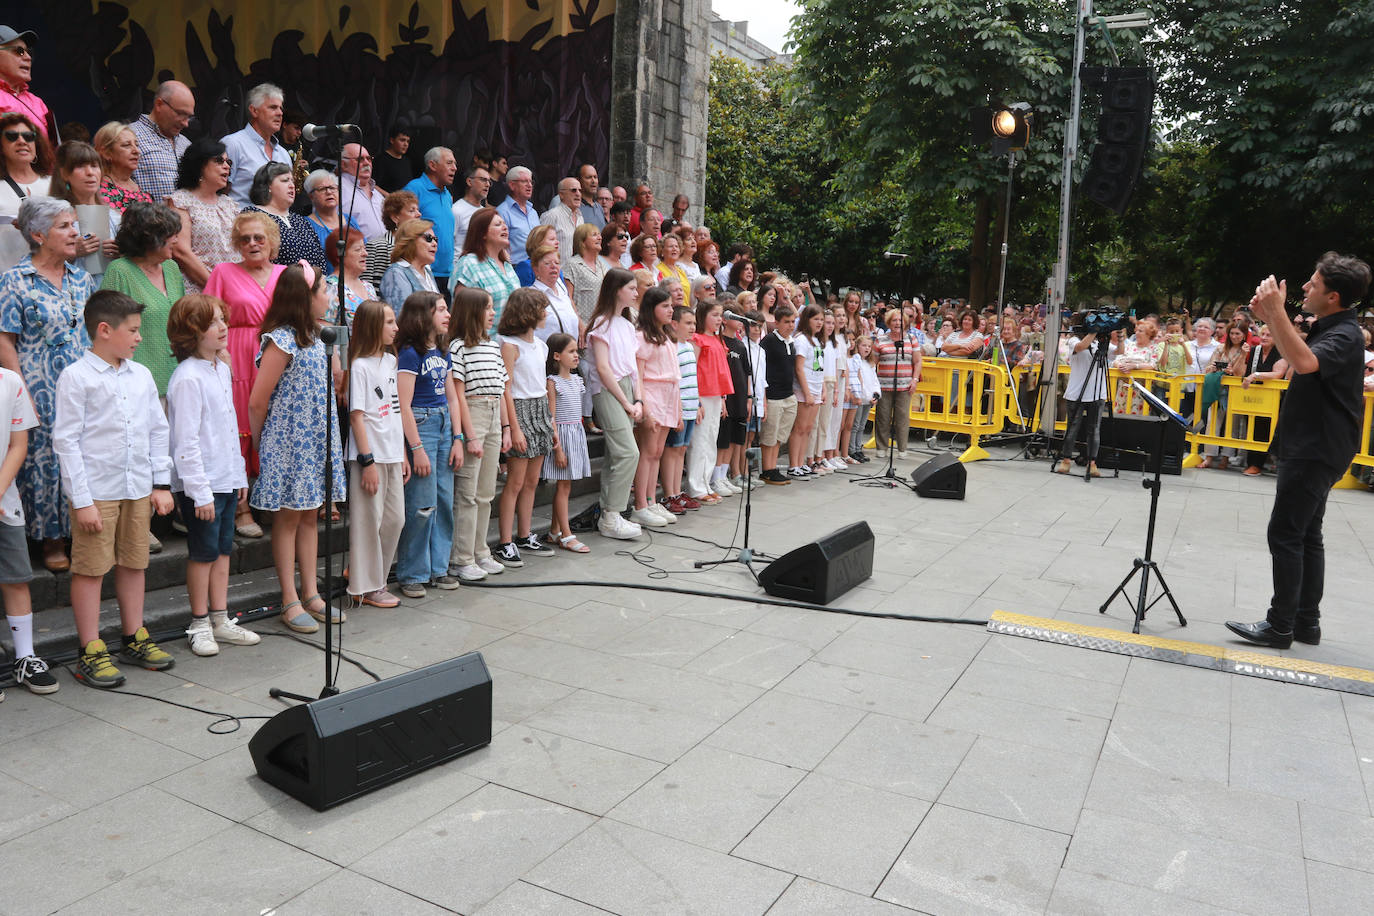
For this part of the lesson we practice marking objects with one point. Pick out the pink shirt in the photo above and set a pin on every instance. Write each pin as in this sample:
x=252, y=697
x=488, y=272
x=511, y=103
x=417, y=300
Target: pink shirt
x=27, y=104
x=621, y=343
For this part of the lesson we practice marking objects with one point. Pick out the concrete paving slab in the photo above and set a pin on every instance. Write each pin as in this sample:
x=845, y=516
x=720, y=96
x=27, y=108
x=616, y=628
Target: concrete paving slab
x=1078, y=894
x=1167, y=741
x=24, y=809
x=345, y=893
x=521, y=899
x=1028, y=723
x=895, y=755
x=811, y=898
x=1021, y=783
x=864, y=690
x=227, y=785
x=791, y=730
x=1333, y=890
x=751, y=658
x=623, y=725
x=1305, y=769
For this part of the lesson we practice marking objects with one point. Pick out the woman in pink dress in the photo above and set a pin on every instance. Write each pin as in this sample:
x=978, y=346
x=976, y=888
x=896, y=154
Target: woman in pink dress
x=246, y=288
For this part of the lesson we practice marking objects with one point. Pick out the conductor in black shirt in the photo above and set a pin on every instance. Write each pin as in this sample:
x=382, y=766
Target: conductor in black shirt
x=1316, y=438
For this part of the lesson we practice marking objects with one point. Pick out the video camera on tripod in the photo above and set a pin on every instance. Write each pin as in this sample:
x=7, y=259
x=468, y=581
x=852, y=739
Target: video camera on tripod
x=1100, y=321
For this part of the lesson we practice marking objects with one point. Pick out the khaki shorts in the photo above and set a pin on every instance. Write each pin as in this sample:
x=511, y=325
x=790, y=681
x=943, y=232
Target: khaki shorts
x=122, y=540
x=777, y=421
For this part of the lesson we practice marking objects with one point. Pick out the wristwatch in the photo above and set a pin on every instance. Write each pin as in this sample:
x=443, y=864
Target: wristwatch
x=365, y=460
x=162, y=486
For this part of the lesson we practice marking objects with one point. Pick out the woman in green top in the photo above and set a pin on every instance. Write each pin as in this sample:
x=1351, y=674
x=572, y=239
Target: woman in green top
x=147, y=273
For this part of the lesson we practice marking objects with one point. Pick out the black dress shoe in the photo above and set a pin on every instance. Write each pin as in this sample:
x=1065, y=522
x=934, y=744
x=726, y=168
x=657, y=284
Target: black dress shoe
x=1311, y=635
x=1261, y=633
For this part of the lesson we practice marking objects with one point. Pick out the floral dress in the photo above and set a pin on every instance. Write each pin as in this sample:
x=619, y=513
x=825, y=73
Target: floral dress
x=212, y=226
x=291, y=448
x=120, y=198
x=351, y=299
x=298, y=241
x=1134, y=356
x=50, y=336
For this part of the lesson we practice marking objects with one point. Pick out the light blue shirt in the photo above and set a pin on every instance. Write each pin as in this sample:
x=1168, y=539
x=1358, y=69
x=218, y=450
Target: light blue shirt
x=245, y=148
x=436, y=205
x=520, y=222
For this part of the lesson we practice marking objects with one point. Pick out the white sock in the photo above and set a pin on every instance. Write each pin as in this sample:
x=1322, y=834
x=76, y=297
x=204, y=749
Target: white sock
x=21, y=630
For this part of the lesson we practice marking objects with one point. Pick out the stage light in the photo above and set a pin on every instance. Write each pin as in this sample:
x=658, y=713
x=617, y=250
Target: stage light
x=1004, y=123
x=1008, y=127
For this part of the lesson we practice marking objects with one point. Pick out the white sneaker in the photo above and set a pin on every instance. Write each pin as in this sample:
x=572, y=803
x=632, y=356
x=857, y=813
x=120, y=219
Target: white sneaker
x=490, y=566
x=838, y=464
x=472, y=573
x=663, y=513
x=230, y=632
x=202, y=637
x=722, y=487
x=901, y=453
x=648, y=517
x=614, y=525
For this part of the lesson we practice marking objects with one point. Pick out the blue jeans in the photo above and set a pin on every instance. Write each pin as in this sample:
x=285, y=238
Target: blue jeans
x=427, y=537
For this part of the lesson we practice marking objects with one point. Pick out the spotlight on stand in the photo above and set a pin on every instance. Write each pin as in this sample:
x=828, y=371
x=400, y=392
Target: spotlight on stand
x=1007, y=128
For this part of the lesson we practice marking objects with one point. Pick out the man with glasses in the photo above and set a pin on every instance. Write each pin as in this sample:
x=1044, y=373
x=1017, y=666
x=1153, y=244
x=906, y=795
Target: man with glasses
x=473, y=199
x=161, y=142
x=16, y=69
x=566, y=215
x=520, y=217
x=256, y=144
x=604, y=200
x=359, y=197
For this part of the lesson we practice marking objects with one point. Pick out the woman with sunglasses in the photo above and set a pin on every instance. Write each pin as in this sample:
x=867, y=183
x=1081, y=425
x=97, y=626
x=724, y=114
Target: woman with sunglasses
x=25, y=163
x=615, y=243
x=412, y=260
x=207, y=212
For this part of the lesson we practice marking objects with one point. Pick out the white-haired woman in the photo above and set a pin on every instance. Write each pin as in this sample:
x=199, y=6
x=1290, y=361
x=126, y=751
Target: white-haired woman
x=41, y=333
x=323, y=188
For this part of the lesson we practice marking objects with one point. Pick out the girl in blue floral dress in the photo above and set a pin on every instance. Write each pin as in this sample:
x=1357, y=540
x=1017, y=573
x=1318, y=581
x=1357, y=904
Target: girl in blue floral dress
x=288, y=410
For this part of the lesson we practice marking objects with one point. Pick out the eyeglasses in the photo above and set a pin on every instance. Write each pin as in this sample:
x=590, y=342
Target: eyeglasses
x=429, y=237
x=360, y=158
x=27, y=136
x=183, y=115
x=327, y=188
x=224, y=160
x=622, y=235
x=19, y=50
x=483, y=180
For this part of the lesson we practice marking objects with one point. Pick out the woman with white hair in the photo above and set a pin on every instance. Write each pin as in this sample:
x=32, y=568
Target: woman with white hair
x=323, y=188
x=41, y=333
x=273, y=192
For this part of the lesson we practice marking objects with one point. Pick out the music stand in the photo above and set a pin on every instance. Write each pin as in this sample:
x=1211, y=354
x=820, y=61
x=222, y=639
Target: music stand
x=1147, y=565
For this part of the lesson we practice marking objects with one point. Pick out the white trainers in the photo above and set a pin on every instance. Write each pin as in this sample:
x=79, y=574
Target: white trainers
x=229, y=631
x=836, y=463
x=472, y=573
x=202, y=637
x=663, y=513
x=490, y=566
x=901, y=453
x=722, y=487
x=614, y=525
x=648, y=517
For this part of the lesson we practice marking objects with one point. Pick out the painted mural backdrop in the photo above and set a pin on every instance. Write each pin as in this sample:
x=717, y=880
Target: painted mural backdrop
x=529, y=78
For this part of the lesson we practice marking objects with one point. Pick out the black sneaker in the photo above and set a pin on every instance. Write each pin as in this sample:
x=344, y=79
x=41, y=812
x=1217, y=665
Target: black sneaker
x=509, y=555
x=32, y=672
x=533, y=545
x=775, y=477
x=799, y=473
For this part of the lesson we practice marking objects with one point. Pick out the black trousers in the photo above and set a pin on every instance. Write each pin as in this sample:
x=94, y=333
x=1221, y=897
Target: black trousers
x=1089, y=412
x=1295, y=542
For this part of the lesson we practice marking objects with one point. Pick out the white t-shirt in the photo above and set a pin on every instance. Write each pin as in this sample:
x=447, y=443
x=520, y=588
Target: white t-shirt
x=9, y=201
x=813, y=366
x=1080, y=364
x=372, y=389
x=14, y=400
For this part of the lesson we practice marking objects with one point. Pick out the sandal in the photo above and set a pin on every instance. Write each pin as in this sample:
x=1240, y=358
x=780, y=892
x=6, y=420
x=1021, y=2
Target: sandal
x=1223, y=463
x=336, y=615
x=1092, y=469
x=1205, y=463
x=1252, y=471
x=380, y=598
x=572, y=543
x=301, y=623
x=1063, y=466
x=245, y=527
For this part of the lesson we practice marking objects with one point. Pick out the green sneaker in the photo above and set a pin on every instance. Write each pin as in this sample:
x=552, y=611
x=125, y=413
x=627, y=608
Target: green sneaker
x=140, y=649
x=95, y=668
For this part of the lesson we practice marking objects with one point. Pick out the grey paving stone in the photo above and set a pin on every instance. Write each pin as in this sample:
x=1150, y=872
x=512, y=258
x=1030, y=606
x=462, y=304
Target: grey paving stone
x=181, y=883
x=710, y=797
x=27, y=714
x=1323, y=772
x=1023, y=722
x=1338, y=891
x=836, y=832
x=810, y=898
x=623, y=725
x=1195, y=692
x=521, y=899
x=1290, y=709
x=469, y=852
x=751, y=658
x=1079, y=894
x=1039, y=686
x=964, y=862
x=668, y=640
x=515, y=696
x=1070, y=661
x=735, y=614
x=83, y=854
x=813, y=629
x=562, y=770
x=416, y=637
x=591, y=624
x=308, y=679
x=791, y=730
x=345, y=833
x=347, y=894
x=936, y=661
x=1190, y=804
x=24, y=809
x=1338, y=837
x=1212, y=870
x=99, y=760
x=864, y=690
x=227, y=785
x=627, y=870
x=502, y=609
x=895, y=755
x=1166, y=740
x=1018, y=782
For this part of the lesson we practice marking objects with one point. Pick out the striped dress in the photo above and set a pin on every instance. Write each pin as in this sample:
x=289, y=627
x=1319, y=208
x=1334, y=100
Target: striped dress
x=567, y=416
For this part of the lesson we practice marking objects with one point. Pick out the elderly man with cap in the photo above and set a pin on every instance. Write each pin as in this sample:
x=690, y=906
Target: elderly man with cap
x=16, y=69
x=161, y=142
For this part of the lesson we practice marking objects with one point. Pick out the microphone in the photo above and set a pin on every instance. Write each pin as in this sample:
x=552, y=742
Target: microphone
x=736, y=316
x=313, y=132
x=328, y=335
x=890, y=255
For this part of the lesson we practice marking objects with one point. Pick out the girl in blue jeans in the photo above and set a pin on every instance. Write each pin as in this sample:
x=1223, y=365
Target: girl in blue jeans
x=430, y=411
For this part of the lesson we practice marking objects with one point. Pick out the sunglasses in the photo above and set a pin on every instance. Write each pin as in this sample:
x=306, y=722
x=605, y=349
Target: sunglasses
x=27, y=136
x=224, y=160
x=622, y=235
x=19, y=51
x=429, y=237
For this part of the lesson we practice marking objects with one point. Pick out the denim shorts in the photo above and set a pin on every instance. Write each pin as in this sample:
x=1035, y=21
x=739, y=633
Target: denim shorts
x=679, y=438
x=206, y=542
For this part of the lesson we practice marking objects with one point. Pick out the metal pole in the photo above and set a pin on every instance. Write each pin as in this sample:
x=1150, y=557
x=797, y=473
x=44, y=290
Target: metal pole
x=1006, y=226
x=1058, y=290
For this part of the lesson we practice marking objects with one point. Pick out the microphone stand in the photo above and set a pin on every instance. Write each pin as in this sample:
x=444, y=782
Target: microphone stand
x=889, y=477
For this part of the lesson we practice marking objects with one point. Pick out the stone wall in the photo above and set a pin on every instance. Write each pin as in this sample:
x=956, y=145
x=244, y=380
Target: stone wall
x=661, y=63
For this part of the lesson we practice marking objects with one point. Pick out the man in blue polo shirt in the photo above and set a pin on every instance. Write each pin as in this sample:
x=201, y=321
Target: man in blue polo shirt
x=436, y=205
x=520, y=217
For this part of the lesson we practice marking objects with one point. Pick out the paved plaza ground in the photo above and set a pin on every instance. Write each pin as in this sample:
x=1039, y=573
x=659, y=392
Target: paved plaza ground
x=661, y=753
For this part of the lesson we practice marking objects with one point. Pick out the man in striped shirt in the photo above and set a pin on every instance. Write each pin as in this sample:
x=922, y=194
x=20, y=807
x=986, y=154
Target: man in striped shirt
x=160, y=139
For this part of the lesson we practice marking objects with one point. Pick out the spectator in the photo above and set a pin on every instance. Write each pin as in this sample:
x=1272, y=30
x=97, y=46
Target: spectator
x=398, y=207
x=592, y=211
x=560, y=317
x=147, y=274
x=16, y=69
x=486, y=261
x=41, y=333
x=272, y=193
x=1266, y=365
x=680, y=205
x=324, y=219
x=118, y=149
x=256, y=144
x=474, y=198
x=671, y=264
x=1230, y=359
x=585, y=269
x=1202, y=349
x=644, y=253
x=520, y=218
x=604, y=200
x=78, y=183
x=207, y=212
x=615, y=246
x=412, y=263
x=436, y=205
x=500, y=189
x=741, y=278
x=897, y=374
x=566, y=215
x=349, y=273
x=359, y=197
x=644, y=200
x=733, y=255
x=161, y=143
x=1140, y=351
x=393, y=168
x=25, y=159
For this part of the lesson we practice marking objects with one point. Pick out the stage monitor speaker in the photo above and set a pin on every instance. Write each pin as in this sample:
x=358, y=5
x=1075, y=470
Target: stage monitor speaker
x=337, y=748
x=823, y=570
x=942, y=477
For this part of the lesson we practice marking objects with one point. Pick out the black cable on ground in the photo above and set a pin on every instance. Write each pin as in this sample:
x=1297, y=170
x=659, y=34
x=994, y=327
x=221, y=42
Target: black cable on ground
x=220, y=717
